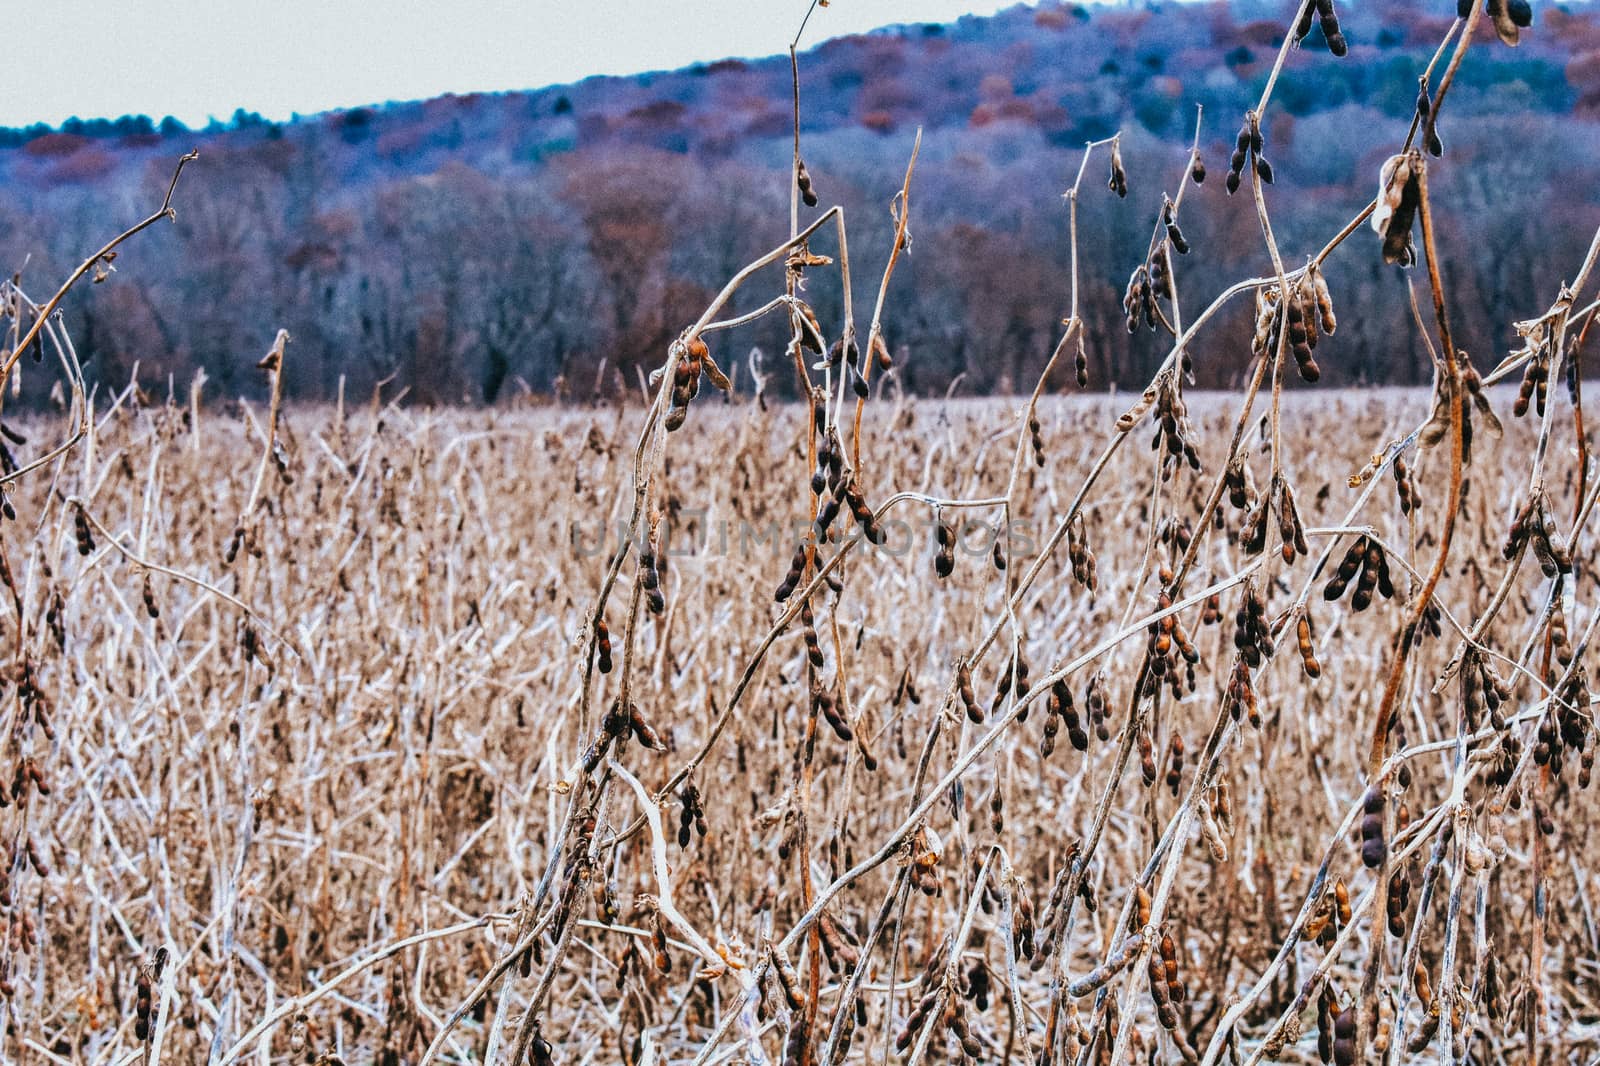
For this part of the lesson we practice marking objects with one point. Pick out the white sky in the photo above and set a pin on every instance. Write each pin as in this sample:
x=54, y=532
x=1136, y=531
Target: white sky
x=197, y=58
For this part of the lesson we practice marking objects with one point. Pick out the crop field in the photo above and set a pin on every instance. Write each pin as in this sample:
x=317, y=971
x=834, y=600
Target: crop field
x=335, y=811
x=761, y=712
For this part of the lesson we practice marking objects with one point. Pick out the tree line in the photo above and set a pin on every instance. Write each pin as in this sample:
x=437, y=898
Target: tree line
x=552, y=243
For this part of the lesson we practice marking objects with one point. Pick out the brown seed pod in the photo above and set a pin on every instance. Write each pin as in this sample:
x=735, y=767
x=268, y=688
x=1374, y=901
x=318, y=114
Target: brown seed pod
x=235, y=542
x=1118, y=182
x=692, y=814
x=1080, y=556
x=1323, y=300
x=838, y=945
x=1373, y=849
x=1341, y=898
x=1535, y=384
x=797, y=567
x=1425, y=118
x=643, y=732
x=803, y=179
x=1405, y=486
x=1016, y=672
x=858, y=384
x=1330, y=28
x=1095, y=700
x=1269, y=320
x=1421, y=985
x=809, y=632
x=1176, y=239
x=885, y=360
x=1399, y=193
x=1250, y=634
x=969, y=700
x=809, y=329
x=1327, y=1012
x=618, y=720
x=540, y=1052
x=823, y=703
x=1024, y=935
x=147, y=593
x=1426, y=1031
x=1159, y=267
x=1141, y=407
x=1302, y=26
x=1061, y=706
x=650, y=573
x=1308, y=655
x=1169, y=960
x=956, y=1022
x=1237, y=161
x=1509, y=17
x=944, y=559
x=978, y=985
x=143, y=1006
x=788, y=978
x=1303, y=335
x=1320, y=925
x=1147, y=758
x=1365, y=557
x=658, y=940
x=602, y=635
x=686, y=382
x=915, y=1021
x=1399, y=903
x=1368, y=579
x=1543, y=533
x=1047, y=742
x=1344, y=1034
x=856, y=500
x=1136, y=298
x=80, y=527
x=1291, y=531
x=1166, y=1015
x=820, y=478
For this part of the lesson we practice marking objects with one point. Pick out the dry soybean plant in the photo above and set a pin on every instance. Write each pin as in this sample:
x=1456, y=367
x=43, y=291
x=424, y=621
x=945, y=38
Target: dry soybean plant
x=861, y=729
x=1437, y=788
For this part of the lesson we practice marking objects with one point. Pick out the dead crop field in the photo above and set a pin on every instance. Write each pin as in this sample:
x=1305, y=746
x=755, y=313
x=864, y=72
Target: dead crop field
x=363, y=788
x=1074, y=728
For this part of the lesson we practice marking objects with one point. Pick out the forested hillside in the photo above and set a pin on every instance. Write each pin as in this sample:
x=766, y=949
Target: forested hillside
x=477, y=246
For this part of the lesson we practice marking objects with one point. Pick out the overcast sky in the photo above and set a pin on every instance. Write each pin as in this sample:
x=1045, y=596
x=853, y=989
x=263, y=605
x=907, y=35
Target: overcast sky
x=197, y=58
